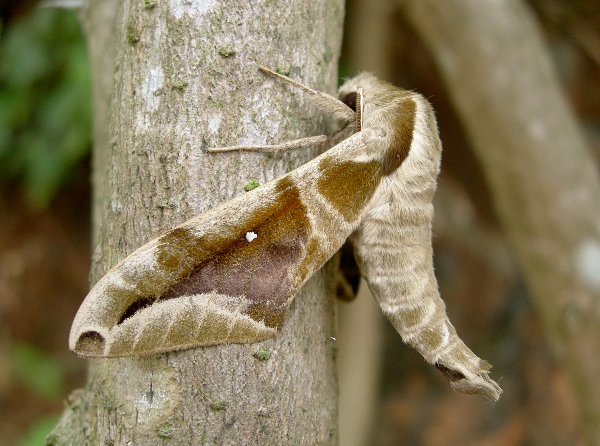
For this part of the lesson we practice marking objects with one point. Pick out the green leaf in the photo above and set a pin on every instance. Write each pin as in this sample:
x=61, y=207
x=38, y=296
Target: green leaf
x=37, y=433
x=45, y=102
x=38, y=371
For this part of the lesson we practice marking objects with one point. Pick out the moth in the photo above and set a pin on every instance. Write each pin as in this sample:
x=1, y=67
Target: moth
x=228, y=275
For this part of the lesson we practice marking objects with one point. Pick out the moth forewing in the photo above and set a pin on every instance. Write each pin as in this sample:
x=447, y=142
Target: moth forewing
x=229, y=274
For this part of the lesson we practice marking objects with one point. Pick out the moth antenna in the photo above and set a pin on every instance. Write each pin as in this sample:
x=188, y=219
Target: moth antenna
x=360, y=110
x=321, y=141
x=334, y=106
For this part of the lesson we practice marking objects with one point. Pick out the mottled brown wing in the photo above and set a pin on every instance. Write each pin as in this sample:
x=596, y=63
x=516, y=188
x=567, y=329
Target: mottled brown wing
x=229, y=274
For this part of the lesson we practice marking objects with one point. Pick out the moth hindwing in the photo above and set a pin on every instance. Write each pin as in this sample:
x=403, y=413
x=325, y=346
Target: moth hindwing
x=229, y=275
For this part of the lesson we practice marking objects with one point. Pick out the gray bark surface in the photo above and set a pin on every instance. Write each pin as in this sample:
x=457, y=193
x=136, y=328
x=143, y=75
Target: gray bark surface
x=544, y=180
x=185, y=77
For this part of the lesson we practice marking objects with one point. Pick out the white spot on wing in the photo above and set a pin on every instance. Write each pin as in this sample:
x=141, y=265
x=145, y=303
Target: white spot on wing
x=251, y=236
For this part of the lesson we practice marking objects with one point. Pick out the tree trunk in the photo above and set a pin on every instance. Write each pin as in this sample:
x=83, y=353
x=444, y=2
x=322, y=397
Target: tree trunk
x=544, y=180
x=185, y=77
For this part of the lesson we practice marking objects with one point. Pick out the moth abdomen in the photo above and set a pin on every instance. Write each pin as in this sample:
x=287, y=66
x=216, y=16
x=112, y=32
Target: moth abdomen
x=397, y=263
x=400, y=276
x=393, y=245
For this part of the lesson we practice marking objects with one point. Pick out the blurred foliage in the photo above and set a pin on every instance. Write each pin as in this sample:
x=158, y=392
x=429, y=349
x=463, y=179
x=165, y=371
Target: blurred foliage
x=37, y=433
x=45, y=102
x=38, y=371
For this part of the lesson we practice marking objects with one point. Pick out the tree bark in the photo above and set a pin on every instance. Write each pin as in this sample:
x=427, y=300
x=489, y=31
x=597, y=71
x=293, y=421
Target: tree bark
x=544, y=180
x=185, y=77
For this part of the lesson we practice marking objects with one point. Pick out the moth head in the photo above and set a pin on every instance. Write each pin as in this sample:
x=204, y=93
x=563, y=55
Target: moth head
x=355, y=100
x=370, y=98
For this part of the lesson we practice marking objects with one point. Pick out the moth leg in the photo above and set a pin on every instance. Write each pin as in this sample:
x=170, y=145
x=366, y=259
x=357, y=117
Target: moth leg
x=303, y=143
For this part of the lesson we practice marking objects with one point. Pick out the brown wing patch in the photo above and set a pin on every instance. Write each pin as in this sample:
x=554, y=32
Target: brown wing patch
x=178, y=249
x=270, y=315
x=348, y=186
x=315, y=257
x=404, y=123
x=231, y=265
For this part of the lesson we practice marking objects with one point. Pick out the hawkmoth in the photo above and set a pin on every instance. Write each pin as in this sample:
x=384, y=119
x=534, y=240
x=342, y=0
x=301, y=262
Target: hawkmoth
x=228, y=275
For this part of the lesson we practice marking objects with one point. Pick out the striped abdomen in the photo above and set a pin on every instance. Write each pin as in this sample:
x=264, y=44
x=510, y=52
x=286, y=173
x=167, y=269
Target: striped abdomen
x=393, y=249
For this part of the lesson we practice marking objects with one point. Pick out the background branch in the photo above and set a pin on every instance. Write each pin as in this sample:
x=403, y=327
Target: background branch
x=544, y=181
